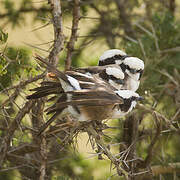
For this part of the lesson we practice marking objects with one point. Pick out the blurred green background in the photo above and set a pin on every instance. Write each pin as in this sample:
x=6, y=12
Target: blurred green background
x=147, y=29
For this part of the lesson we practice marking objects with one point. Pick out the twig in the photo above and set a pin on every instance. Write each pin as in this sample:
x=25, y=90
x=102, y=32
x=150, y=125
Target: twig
x=169, y=168
x=58, y=31
x=148, y=159
x=22, y=84
x=11, y=130
x=159, y=115
x=17, y=88
x=73, y=38
x=156, y=39
x=43, y=152
x=106, y=151
x=171, y=50
x=24, y=149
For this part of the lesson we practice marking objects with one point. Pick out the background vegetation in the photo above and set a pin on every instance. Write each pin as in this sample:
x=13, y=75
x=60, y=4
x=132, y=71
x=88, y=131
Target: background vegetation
x=147, y=141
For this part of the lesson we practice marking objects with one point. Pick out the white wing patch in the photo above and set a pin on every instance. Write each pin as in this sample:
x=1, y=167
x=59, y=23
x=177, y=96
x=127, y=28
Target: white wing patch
x=134, y=63
x=74, y=82
x=126, y=93
x=116, y=72
x=87, y=75
x=110, y=53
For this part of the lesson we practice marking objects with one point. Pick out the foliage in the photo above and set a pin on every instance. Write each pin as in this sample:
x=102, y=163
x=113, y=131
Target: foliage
x=151, y=33
x=15, y=64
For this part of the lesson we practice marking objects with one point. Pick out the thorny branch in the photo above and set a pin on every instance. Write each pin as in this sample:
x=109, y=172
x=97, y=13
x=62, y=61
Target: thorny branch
x=148, y=159
x=73, y=38
x=5, y=144
x=53, y=59
x=91, y=131
x=17, y=88
x=159, y=115
x=58, y=31
x=24, y=83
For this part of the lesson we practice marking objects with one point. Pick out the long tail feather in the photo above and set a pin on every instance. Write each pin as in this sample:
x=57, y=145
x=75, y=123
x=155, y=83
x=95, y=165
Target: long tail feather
x=45, y=126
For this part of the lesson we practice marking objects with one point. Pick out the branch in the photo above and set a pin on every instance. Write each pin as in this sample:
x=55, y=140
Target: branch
x=23, y=149
x=24, y=83
x=172, y=6
x=169, y=168
x=106, y=151
x=11, y=130
x=147, y=161
x=58, y=31
x=25, y=10
x=17, y=88
x=159, y=115
x=123, y=15
x=73, y=38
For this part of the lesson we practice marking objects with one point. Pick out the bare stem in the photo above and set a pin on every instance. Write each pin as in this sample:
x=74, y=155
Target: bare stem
x=58, y=31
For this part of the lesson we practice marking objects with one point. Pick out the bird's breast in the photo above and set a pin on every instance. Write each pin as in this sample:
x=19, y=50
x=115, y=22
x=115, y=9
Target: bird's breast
x=98, y=113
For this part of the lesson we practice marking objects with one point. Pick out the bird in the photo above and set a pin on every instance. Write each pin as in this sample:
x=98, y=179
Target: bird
x=91, y=104
x=121, y=71
x=84, y=104
x=112, y=56
x=96, y=104
x=132, y=67
x=111, y=74
x=115, y=67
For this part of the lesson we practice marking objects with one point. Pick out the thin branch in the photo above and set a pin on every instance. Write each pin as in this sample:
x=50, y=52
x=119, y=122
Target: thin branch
x=22, y=84
x=23, y=149
x=123, y=15
x=171, y=50
x=159, y=115
x=73, y=38
x=11, y=130
x=25, y=10
x=149, y=156
x=58, y=31
x=106, y=151
x=168, y=168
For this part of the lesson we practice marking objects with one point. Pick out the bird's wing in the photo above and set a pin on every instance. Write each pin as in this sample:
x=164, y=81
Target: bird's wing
x=87, y=97
x=46, y=88
x=94, y=69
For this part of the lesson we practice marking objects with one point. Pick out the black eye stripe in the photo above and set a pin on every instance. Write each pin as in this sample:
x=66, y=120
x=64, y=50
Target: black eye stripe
x=112, y=77
x=124, y=67
x=133, y=98
x=111, y=60
x=107, y=77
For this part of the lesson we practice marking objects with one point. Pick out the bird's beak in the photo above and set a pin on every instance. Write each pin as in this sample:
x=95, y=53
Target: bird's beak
x=141, y=73
x=140, y=98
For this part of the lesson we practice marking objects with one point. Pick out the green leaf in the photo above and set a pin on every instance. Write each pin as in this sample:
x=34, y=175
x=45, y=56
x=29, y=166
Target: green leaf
x=3, y=36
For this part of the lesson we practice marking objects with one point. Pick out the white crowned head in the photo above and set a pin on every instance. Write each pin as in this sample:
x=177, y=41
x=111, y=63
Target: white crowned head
x=112, y=56
x=130, y=100
x=133, y=66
